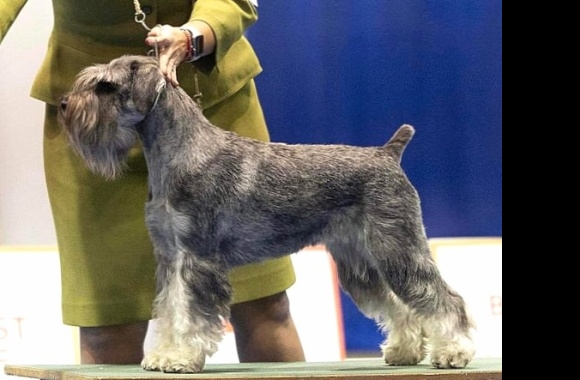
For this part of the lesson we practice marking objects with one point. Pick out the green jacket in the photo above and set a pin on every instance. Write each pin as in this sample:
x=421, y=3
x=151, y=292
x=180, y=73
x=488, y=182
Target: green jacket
x=96, y=31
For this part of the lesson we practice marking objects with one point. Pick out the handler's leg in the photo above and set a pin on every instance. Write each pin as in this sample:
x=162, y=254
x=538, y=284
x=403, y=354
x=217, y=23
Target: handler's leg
x=265, y=331
x=120, y=344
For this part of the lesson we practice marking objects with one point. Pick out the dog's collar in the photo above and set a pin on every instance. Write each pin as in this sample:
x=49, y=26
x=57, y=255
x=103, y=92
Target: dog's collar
x=160, y=86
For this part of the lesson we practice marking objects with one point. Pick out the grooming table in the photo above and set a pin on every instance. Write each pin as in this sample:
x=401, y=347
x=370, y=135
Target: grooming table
x=353, y=369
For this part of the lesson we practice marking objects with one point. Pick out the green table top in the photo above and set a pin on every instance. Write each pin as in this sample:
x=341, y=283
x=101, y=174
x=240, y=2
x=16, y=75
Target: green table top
x=478, y=369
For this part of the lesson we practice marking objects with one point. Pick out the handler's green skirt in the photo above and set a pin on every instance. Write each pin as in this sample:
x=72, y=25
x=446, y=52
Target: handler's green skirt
x=106, y=256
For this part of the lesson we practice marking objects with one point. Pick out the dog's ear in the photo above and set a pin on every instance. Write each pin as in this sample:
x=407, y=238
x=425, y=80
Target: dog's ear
x=147, y=83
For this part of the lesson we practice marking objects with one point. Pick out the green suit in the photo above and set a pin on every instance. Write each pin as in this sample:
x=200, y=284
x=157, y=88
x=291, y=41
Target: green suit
x=107, y=261
x=88, y=32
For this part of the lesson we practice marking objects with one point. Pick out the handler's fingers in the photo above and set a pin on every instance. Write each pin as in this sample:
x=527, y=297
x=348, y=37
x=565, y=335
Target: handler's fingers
x=170, y=43
x=153, y=36
x=168, y=65
x=173, y=79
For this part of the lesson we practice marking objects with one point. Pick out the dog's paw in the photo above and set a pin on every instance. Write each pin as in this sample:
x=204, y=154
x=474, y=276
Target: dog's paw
x=172, y=363
x=453, y=355
x=458, y=360
x=398, y=356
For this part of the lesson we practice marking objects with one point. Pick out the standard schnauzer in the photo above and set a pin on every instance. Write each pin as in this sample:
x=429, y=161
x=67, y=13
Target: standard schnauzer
x=218, y=200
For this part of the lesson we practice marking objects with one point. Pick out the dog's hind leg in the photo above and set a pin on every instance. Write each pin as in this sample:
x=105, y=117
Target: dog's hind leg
x=374, y=298
x=191, y=308
x=404, y=261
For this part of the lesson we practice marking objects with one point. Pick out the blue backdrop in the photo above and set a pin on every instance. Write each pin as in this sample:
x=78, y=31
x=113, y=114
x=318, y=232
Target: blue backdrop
x=352, y=71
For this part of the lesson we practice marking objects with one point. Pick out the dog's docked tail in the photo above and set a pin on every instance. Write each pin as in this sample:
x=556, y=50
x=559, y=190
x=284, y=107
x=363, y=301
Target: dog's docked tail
x=397, y=144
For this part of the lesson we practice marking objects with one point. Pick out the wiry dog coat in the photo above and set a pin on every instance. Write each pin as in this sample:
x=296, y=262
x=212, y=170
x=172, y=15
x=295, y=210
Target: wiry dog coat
x=218, y=200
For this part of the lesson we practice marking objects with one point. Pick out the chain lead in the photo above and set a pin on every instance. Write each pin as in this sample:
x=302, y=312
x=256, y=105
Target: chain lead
x=140, y=19
x=140, y=15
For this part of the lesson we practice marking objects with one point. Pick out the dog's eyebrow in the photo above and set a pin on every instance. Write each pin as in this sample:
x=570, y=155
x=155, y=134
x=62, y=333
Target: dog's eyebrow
x=105, y=87
x=133, y=67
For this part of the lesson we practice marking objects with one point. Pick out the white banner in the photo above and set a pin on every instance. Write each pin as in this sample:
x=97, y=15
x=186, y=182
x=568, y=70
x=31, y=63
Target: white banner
x=473, y=267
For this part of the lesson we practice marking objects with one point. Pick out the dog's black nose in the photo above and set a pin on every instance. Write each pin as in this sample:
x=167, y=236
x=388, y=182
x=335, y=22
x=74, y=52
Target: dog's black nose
x=63, y=104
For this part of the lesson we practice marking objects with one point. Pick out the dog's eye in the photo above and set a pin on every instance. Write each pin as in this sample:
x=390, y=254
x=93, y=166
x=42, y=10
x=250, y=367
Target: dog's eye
x=105, y=88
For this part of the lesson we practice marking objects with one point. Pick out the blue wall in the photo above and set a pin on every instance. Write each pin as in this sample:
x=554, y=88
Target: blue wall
x=352, y=71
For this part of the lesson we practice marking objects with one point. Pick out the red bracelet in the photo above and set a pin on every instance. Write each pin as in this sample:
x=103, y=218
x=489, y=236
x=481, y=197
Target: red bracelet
x=189, y=56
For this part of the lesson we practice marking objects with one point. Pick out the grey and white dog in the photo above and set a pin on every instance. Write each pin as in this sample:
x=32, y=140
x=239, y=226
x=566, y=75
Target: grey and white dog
x=218, y=200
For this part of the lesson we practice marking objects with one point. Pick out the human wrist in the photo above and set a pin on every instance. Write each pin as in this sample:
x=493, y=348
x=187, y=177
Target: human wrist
x=195, y=43
x=189, y=54
x=205, y=33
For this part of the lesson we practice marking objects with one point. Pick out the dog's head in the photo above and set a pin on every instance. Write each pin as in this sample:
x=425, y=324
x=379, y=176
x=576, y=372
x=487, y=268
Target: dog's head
x=104, y=104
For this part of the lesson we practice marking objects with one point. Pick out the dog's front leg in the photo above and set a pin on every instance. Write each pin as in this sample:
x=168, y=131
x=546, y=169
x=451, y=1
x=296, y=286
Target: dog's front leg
x=191, y=306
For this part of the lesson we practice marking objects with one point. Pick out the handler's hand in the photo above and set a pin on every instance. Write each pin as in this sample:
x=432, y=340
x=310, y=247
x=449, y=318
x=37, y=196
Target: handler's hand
x=172, y=47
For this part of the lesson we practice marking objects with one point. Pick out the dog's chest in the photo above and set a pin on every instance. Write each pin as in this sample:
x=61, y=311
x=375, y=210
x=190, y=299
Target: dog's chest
x=161, y=221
